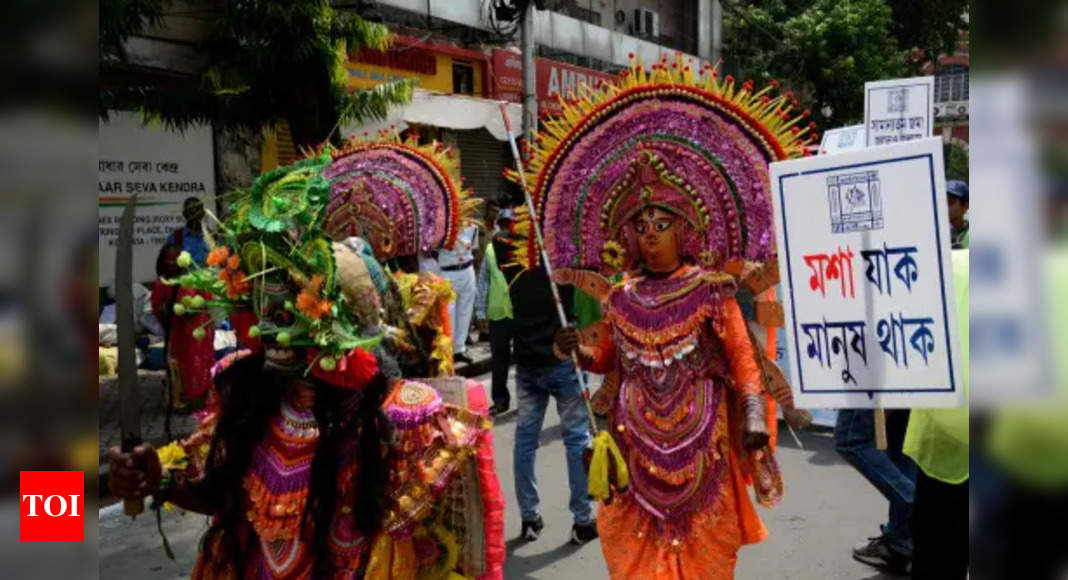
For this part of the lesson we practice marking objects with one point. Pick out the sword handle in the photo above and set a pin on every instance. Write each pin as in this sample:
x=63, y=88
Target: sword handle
x=133, y=507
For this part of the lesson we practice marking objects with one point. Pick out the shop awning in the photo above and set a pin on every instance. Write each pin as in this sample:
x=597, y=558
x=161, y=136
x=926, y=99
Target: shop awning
x=448, y=112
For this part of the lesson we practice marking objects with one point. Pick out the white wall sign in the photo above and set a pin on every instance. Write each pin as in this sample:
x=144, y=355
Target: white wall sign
x=864, y=255
x=842, y=139
x=898, y=110
x=163, y=168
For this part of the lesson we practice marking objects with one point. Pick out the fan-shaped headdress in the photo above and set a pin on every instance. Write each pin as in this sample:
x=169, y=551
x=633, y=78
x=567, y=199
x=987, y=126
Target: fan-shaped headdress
x=672, y=137
x=402, y=197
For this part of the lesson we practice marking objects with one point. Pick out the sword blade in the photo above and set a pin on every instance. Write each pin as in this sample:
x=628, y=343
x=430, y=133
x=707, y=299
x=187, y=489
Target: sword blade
x=129, y=398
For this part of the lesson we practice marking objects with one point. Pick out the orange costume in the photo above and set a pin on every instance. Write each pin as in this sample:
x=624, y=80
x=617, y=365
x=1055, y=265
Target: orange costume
x=673, y=400
x=663, y=175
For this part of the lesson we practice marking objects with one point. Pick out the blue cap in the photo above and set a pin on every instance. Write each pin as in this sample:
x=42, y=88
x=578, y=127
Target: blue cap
x=957, y=188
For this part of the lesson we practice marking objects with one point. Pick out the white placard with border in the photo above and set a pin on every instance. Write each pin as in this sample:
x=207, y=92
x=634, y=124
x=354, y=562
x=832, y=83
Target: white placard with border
x=898, y=110
x=864, y=258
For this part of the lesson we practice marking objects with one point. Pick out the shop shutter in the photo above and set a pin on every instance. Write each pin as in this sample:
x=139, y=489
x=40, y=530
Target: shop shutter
x=483, y=160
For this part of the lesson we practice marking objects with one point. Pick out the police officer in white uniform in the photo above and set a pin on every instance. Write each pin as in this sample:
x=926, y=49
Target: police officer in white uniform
x=458, y=267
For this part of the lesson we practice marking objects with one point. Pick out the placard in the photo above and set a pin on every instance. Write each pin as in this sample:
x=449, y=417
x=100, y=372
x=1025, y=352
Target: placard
x=842, y=139
x=864, y=258
x=898, y=110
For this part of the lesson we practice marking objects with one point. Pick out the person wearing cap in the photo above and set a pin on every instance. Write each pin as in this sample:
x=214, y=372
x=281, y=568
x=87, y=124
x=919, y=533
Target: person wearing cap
x=957, y=194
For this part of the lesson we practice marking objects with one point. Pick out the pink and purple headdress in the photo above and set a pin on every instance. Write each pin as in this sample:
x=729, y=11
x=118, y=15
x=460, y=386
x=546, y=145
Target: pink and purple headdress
x=672, y=137
x=401, y=197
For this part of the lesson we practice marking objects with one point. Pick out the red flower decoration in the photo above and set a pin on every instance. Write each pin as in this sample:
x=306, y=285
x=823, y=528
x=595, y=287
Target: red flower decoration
x=353, y=371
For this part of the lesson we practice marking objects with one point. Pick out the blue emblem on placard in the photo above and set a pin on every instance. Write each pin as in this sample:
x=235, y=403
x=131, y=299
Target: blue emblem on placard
x=856, y=202
x=897, y=100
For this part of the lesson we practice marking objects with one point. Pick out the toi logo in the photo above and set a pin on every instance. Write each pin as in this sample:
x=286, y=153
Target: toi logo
x=51, y=506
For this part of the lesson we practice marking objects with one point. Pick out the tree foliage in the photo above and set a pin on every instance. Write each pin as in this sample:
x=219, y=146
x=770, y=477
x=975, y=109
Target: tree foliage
x=933, y=26
x=956, y=160
x=265, y=60
x=825, y=50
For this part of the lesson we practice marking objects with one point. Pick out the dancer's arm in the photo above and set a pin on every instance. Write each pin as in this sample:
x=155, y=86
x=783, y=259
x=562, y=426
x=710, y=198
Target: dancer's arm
x=747, y=375
x=137, y=474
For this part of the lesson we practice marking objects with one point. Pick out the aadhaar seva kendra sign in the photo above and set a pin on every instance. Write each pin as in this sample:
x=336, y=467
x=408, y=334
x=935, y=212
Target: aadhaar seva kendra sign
x=163, y=168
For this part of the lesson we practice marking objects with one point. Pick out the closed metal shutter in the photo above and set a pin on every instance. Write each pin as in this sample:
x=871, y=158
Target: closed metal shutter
x=483, y=160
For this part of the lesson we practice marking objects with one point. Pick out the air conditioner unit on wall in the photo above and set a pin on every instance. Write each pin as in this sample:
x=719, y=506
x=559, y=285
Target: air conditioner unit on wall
x=646, y=23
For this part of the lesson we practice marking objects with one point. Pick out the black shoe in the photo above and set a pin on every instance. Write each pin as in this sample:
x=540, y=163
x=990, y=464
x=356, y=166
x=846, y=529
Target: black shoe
x=583, y=533
x=879, y=553
x=532, y=529
x=498, y=410
x=462, y=358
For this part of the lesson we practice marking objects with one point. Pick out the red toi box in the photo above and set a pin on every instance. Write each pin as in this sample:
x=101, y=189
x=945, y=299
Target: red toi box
x=51, y=506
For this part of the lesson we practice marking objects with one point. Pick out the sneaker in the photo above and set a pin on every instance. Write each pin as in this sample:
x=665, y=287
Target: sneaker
x=532, y=529
x=583, y=533
x=877, y=552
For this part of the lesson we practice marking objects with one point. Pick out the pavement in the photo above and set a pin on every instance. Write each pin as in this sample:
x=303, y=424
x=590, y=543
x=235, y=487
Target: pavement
x=828, y=507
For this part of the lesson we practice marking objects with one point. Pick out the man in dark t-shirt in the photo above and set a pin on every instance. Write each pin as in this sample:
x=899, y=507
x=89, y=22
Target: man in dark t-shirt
x=540, y=374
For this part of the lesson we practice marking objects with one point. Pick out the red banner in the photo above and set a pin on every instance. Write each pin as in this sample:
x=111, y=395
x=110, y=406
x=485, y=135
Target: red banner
x=552, y=78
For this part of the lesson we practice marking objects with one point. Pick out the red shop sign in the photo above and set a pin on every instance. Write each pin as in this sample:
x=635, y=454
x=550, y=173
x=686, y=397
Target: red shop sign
x=552, y=78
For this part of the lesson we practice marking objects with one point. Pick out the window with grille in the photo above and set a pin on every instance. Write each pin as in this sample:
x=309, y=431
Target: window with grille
x=951, y=83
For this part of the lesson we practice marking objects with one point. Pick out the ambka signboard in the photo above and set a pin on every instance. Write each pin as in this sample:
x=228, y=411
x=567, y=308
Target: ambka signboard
x=551, y=77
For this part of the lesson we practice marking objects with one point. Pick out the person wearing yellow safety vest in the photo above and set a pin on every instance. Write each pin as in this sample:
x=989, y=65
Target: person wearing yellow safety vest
x=1019, y=526
x=494, y=306
x=937, y=441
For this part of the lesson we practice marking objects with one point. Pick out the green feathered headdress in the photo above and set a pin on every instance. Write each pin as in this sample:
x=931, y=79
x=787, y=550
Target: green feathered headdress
x=274, y=272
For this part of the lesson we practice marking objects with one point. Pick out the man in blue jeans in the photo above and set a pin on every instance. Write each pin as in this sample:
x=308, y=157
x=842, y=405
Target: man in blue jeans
x=891, y=472
x=541, y=374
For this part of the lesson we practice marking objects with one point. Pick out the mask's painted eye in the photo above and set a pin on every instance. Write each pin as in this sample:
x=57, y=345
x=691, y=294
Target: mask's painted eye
x=662, y=226
x=640, y=228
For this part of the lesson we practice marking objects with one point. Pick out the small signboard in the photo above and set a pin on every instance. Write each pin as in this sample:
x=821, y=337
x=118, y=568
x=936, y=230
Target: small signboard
x=864, y=258
x=898, y=110
x=842, y=139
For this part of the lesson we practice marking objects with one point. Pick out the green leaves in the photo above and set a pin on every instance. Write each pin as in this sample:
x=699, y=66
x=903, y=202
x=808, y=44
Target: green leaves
x=265, y=61
x=375, y=103
x=824, y=50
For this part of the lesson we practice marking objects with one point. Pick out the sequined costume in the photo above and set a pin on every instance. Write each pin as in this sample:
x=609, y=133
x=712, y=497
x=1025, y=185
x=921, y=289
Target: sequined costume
x=426, y=299
x=437, y=442
x=685, y=385
x=678, y=356
x=308, y=311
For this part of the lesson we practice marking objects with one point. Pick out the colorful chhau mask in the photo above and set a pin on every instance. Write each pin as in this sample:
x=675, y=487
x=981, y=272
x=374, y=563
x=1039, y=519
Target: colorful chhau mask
x=674, y=138
x=402, y=197
x=271, y=258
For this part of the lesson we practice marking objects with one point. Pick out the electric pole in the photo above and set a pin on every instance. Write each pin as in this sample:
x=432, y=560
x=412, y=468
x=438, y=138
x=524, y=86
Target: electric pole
x=530, y=91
